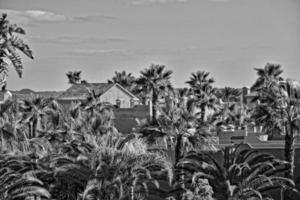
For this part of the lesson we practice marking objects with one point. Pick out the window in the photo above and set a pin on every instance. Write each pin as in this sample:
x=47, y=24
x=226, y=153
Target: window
x=118, y=103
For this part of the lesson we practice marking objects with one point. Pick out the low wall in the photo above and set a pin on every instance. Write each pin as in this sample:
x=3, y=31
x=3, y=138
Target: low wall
x=225, y=136
x=126, y=118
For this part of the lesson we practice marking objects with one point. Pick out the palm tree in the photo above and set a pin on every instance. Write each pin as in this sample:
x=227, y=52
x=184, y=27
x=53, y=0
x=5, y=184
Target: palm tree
x=200, y=80
x=291, y=121
x=18, y=178
x=267, y=76
x=33, y=114
x=10, y=42
x=155, y=81
x=241, y=173
x=279, y=109
x=124, y=79
x=74, y=77
x=177, y=132
x=116, y=169
x=228, y=94
x=203, y=91
x=228, y=116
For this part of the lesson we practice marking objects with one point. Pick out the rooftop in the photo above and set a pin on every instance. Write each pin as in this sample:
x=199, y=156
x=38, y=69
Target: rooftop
x=80, y=91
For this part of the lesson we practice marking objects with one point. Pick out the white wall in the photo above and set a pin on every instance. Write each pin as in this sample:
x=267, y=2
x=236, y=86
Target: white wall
x=115, y=93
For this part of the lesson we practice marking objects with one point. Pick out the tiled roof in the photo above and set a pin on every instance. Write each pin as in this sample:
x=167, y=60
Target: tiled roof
x=81, y=90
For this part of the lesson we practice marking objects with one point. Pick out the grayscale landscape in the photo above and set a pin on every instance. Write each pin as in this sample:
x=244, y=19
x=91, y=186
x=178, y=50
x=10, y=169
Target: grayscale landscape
x=149, y=100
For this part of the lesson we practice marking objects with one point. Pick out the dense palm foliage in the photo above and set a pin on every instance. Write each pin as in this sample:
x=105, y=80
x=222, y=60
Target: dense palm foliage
x=124, y=79
x=18, y=178
x=201, y=87
x=238, y=173
x=229, y=94
x=74, y=154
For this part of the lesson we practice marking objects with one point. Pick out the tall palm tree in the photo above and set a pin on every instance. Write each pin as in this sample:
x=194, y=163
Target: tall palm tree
x=10, y=42
x=241, y=173
x=155, y=81
x=178, y=132
x=201, y=86
x=279, y=109
x=291, y=121
x=200, y=80
x=228, y=94
x=267, y=76
x=127, y=80
x=279, y=100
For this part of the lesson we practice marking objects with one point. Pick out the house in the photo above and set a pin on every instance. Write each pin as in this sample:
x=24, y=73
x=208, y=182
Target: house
x=111, y=93
x=127, y=107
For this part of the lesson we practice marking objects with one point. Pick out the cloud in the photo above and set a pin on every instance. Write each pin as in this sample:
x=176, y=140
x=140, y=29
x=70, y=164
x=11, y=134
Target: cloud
x=143, y=51
x=29, y=16
x=219, y=1
x=76, y=40
x=188, y=50
x=149, y=2
x=25, y=17
x=94, y=17
x=92, y=52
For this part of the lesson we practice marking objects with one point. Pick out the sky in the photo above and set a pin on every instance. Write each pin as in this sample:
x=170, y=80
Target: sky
x=227, y=38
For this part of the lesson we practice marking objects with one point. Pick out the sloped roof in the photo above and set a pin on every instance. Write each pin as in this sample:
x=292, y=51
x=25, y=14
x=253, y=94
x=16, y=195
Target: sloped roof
x=80, y=91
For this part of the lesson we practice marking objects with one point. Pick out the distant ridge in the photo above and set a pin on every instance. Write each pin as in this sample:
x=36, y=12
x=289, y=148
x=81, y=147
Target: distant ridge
x=29, y=93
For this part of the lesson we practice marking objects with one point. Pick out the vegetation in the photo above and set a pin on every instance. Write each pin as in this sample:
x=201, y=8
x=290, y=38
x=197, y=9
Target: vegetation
x=124, y=79
x=241, y=173
x=279, y=108
x=74, y=152
x=10, y=43
x=155, y=83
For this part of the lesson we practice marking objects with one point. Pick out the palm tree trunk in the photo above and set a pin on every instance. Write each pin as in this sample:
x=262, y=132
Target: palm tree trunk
x=29, y=131
x=132, y=192
x=289, y=155
x=178, y=154
x=203, y=113
x=178, y=149
x=34, y=126
x=154, y=107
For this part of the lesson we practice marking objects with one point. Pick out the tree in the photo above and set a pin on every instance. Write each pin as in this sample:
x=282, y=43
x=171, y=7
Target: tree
x=267, y=77
x=228, y=94
x=116, y=169
x=203, y=91
x=241, y=173
x=10, y=43
x=18, y=178
x=123, y=78
x=279, y=109
x=33, y=112
x=177, y=132
x=74, y=77
x=155, y=81
x=200, y=80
